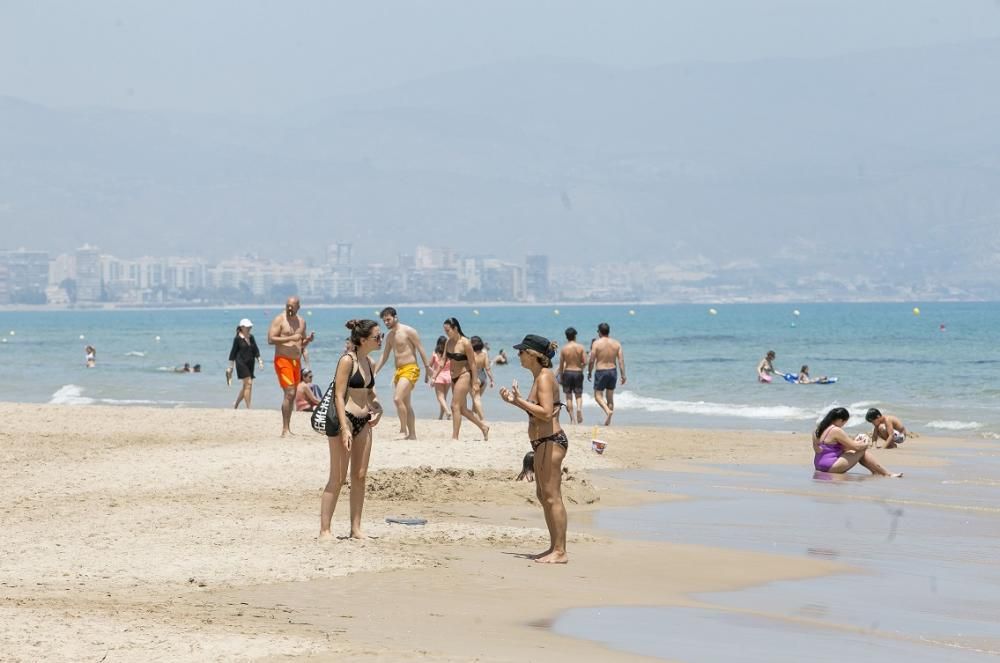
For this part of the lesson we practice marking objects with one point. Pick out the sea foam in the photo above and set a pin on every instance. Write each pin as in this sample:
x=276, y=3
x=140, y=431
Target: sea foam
x=69, y=394
x=954, y=425
x=627, y=400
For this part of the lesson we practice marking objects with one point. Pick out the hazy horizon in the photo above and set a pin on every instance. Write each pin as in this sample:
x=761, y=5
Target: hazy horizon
x=798, y=136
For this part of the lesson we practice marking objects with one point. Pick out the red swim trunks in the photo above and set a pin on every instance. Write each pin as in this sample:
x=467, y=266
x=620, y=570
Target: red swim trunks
x=289, y=371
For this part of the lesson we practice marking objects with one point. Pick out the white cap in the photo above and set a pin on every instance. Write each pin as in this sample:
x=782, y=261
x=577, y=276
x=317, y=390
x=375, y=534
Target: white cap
x=245, y=322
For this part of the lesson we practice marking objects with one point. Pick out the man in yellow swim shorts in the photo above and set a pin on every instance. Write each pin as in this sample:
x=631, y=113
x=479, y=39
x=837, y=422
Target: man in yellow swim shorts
x=409, y=372
x=405, y=342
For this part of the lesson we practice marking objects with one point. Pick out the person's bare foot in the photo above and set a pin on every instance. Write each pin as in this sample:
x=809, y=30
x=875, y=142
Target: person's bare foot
x=287, y=433
x=357, y=534
x=486, y=434
x=579, y=417
x=553, y=558
x=326, y=536
x=607, y=421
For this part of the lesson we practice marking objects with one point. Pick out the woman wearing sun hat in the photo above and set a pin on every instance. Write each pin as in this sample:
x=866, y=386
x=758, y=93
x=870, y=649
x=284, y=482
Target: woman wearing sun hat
x=548, y=440
x=242, y=357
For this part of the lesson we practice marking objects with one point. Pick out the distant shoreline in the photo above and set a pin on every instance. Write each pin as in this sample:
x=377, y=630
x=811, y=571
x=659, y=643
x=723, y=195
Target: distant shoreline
x=15, y=308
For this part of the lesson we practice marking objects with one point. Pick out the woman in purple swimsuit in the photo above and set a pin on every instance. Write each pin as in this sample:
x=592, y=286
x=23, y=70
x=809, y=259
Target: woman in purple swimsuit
x=548, y=440
x=837, y=452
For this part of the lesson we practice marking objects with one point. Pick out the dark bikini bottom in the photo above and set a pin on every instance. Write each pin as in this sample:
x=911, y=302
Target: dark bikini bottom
x=357, y=424
x=559, y=438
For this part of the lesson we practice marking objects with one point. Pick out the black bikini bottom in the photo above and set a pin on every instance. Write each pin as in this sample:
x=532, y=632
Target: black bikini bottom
x=559, y=438
x=357, y=424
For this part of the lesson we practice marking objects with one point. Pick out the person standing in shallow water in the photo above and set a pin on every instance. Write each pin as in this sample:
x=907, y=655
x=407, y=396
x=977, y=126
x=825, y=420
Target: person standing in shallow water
x=765, y=369
x=548, y=441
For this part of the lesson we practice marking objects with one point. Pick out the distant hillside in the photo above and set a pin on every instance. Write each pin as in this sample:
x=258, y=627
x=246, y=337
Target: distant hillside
x=885, y=162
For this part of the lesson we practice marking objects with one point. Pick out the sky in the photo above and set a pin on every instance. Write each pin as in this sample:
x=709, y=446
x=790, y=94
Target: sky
x=250, y=56
x=391, y=123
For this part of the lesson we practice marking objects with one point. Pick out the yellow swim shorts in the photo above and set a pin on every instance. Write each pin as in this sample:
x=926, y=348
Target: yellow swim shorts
x=410, y=372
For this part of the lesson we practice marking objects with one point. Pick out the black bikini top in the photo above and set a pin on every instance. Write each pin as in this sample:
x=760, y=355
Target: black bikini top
x=357, y=380
x=456, y=356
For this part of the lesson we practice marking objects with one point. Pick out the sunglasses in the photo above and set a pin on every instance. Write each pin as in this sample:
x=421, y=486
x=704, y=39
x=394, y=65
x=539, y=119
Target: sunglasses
x=376, y=337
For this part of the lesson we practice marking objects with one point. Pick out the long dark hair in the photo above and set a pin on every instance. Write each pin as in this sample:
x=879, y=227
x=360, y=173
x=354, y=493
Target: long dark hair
x=360, y=330
x=831, y=416
x=453, y=323
x=439, y=348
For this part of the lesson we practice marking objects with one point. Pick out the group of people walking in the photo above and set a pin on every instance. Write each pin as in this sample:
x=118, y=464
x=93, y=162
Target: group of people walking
x=459, y=364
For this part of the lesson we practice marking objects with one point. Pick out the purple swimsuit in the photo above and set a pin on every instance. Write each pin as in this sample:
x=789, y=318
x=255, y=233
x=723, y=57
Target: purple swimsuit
x=828, y=453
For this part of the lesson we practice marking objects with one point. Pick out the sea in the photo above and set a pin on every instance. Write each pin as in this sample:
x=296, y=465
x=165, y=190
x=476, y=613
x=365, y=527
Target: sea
x=932, y=364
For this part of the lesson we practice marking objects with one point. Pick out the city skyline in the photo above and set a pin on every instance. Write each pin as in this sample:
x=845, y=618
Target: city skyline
x=89, y=277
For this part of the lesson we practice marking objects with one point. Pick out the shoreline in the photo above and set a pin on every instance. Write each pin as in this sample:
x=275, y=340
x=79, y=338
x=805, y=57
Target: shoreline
x=130, y=527
x=737, y=427
x=733, y=301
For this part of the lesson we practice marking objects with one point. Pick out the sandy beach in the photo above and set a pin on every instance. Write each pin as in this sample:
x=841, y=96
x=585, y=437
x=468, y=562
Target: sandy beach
x=190, y=535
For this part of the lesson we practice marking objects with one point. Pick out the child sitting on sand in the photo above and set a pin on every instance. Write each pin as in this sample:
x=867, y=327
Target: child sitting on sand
x=886, y=427
x=527, y=468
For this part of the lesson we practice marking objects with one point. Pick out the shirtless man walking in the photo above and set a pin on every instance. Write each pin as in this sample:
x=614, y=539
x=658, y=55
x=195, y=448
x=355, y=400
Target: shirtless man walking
x=606, y=358
x=572, y=359
x=404, y=341
x=287, y=334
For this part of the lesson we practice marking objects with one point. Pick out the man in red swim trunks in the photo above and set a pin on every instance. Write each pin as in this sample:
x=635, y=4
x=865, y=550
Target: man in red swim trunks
x=288, y=336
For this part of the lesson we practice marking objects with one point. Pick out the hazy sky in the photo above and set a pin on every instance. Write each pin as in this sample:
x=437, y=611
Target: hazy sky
x=253, y=56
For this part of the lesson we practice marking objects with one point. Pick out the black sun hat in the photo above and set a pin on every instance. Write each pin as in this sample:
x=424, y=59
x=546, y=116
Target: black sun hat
x=537, y=343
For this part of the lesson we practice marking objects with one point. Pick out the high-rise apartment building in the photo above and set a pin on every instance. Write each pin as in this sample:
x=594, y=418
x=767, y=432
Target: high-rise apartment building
x=88, y=274
x=26, y=275
x=536, y=276
x=339, y=255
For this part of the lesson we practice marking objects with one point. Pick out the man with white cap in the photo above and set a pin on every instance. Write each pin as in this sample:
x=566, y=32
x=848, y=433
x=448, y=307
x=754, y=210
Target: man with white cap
x=242, y=357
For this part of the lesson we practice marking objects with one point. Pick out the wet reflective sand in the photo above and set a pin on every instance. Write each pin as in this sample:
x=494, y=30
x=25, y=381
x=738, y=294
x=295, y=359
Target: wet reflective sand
x=925, y=549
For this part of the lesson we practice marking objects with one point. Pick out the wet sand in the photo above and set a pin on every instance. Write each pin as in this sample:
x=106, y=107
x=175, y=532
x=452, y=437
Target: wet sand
x=189, y=535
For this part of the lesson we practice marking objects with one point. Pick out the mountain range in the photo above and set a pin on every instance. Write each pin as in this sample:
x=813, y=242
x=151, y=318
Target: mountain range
x=884, y=163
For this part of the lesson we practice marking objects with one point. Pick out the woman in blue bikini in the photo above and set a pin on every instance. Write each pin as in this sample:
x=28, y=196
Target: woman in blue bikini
x=837, y=452
x=548, y=440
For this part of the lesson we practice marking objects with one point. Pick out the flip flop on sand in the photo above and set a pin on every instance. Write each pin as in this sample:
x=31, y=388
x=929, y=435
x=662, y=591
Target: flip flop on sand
x=406, y=521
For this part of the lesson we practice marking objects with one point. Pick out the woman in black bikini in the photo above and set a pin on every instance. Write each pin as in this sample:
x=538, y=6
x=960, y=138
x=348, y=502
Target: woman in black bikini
x=548, y=440
x=459, y=350
x=349, y=430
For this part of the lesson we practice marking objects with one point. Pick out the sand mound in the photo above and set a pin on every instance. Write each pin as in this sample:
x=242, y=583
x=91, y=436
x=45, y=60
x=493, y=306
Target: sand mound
x=451, y=485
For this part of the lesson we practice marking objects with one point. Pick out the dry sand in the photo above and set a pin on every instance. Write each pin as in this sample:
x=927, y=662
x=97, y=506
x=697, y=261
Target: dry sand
x=190, y=535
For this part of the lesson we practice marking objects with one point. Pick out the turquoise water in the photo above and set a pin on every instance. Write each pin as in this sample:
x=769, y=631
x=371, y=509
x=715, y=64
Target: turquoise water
x=686, y=367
